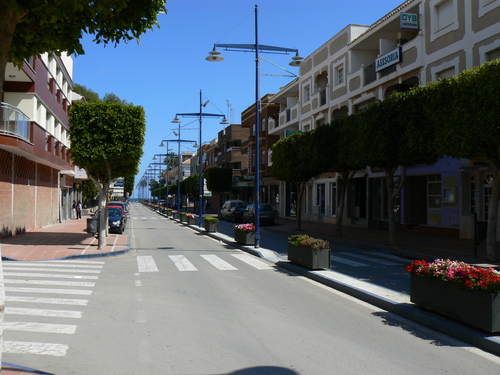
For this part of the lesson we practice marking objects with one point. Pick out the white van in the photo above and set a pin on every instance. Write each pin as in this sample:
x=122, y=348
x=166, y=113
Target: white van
x=227, y=206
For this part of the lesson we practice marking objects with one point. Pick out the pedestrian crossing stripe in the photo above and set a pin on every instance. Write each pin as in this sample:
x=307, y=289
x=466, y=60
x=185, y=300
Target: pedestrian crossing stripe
x=52, y=301
x=83, y=292
x=67, y=329
x=182, y=263
x=50, y=282
x=42, y=264
x=218, y=262
x=50, y=275
x=43, y=312
x=40, y=348
x=41, y=269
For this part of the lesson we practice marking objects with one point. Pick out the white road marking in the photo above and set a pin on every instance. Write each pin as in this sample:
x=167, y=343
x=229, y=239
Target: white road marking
x=50, y=275
x=68, y=270
x=49, y=264
x=67, y=329
x=182, y=263
x=40, y=348
x=43, y=312
x=370, y=259
x=348, y=262
x=50, y=282
x=53, y=301
x=252, y=261
x=218, y=263
x=48, y=290
x=146, y=263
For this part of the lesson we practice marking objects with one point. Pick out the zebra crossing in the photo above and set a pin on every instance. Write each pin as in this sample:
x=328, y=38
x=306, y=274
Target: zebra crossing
x=367, y=259
x=183, y=264
x=45, y=297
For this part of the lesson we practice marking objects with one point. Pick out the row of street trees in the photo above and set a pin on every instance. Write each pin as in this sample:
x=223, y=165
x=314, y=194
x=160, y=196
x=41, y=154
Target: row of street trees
x=457, y=117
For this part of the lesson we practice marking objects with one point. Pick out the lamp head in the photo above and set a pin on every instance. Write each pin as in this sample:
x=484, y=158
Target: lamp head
x=176, y=120
x=296, y=60
x=214, y=55
x=224, y=121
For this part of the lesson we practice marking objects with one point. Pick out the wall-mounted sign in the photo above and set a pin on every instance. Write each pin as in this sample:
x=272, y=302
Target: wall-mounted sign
x=290, y=132
x=408, y=21
x=388, y=59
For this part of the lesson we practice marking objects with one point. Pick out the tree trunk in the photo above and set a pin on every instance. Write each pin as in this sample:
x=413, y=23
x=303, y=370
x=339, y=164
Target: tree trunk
x=491, y=237
x=346, y=178
x=300, y=190
x=391, y=195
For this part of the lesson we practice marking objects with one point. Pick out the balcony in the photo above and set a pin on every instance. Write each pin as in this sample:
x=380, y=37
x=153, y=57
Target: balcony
x=14, y=121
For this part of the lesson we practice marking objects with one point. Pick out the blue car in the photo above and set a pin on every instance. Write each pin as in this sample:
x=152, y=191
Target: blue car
x=116, y=221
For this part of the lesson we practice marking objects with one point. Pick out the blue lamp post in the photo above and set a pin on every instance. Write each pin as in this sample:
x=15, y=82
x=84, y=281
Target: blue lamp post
x=214, y=55
x=200, y=116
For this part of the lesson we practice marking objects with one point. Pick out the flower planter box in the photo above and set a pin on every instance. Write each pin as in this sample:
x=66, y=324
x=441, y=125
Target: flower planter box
x=169, y=213
x=310, y=258
x=183, y=218
x=191, y=220
x=245, y=238
x=211, y=227
x=176, y=216
x=476, y=308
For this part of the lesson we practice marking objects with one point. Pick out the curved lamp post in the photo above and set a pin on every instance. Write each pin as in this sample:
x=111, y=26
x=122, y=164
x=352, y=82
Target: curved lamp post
x=214, y=55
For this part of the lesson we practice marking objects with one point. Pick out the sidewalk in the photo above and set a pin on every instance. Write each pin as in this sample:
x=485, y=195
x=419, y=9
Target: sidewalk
x=60, y=241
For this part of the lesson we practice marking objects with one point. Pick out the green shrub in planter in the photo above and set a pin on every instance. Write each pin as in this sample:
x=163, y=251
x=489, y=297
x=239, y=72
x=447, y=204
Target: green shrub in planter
x=307, y=251
x=210, y=219
x=211, y=223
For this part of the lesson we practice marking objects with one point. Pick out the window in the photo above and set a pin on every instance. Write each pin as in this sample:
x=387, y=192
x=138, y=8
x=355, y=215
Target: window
x=339, y=76
x=444, y=15
x=448, y=73
x=434, y=191
x=307, y=93
x=493, y=55
x=320, y=198
x=473, y=195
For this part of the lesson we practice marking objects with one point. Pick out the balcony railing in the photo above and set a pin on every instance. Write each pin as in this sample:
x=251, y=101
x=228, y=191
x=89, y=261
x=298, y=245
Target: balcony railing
x=14, y=121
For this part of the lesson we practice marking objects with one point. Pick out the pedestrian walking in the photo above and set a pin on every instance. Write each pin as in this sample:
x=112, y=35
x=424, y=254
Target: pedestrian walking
x=73, y=210
x=79, y=210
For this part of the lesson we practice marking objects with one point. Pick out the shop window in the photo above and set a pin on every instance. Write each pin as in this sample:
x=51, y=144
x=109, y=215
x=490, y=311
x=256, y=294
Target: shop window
x=434, y=191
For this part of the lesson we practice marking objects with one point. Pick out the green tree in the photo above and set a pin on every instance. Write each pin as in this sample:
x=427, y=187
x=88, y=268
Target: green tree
x=33, y=27
x=88, y=94
x=337, y=150
x=112, y=151
x=89, y=190
x=466, y=112
x=219, y=180
x=397, y=133
x=128, y=187
x=292, y=163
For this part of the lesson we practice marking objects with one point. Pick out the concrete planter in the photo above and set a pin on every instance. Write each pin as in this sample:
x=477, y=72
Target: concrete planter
x=245, y=238
x=310, y=258
x=183, y=218
x=169, y=213
x=176, y=216
x=191, y=220
x=475, y=308
x=211, y=227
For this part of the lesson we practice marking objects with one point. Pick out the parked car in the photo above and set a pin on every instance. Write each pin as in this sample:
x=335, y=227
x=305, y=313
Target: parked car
x=116, y=219
x=235, y=214
x=122, y=205
x=223, y=213
x=267, y=214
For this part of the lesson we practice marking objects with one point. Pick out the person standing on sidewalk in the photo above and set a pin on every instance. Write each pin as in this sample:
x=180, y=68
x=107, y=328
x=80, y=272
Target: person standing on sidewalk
x=79, y=210
x=73, y=210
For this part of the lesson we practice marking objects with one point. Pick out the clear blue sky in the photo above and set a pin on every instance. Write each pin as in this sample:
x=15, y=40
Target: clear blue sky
x=165, y=72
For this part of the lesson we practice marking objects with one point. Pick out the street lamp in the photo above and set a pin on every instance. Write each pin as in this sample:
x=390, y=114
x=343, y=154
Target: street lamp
x=200, y=115
x=214, y=55
x=179, y=140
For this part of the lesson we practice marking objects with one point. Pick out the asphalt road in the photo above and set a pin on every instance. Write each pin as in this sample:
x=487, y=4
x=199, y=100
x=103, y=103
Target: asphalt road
x=183, y=303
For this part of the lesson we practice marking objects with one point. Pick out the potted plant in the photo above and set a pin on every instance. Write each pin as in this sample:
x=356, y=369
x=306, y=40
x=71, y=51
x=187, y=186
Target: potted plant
x=168, y=211
x=191, y=218
x=310, y=252
x=244, y=233
x=176, y=215
x=183, y=216
x=459, y=290
x=211, y=223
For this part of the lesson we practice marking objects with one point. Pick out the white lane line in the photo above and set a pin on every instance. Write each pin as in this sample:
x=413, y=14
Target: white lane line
x=49, y=275
x=252, y=261
x=146, y=263
x=38, y=269
x=48, y=290
x=68, y=261
x=370, y=259
x=39, y=348
x=218, y=263
x=51, y=301
x=182, y=263
x=43, y=312
x=67, y=329
x=50, y=282
x=348, y=262
x=49, y=264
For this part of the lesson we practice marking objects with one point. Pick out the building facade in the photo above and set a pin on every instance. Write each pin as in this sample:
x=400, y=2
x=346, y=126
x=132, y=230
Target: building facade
x=418, y=42
x=36, y=175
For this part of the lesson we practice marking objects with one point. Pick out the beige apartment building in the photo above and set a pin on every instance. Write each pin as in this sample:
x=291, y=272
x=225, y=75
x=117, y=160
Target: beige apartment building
x=418, y=42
